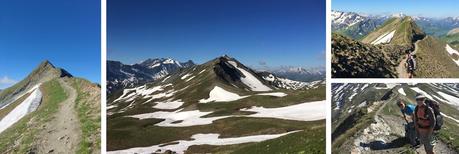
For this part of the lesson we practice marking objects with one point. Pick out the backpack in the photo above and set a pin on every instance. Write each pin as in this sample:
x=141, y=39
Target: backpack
x=430, y=104
x=411, y=63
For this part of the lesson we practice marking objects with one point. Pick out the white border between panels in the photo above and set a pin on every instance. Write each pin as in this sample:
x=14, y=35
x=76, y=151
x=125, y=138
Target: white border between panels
x=103, y=47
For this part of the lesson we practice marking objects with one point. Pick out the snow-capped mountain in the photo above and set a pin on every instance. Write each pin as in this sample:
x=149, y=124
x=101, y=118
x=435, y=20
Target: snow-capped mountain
x=220, y=95
x=285, y=83
x=357, y=25
x=121, y=75
x=299, y=73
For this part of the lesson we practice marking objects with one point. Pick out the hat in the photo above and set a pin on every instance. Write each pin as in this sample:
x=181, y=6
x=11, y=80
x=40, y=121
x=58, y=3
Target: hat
x=420, y=96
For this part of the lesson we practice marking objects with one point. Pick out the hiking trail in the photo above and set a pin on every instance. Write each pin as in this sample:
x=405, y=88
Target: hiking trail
x=386, y=135
x=62, y=134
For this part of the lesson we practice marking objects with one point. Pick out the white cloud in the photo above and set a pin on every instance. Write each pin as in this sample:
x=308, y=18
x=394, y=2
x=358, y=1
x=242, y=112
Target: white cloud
x=6, y=82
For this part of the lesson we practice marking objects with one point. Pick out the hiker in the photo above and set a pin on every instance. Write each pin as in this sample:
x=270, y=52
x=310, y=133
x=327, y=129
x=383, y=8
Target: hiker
x=424, y=119
x=408, y=113
x=410, y=65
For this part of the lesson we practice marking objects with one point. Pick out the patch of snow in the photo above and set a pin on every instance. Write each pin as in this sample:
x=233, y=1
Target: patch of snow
x=422, y=92
x=202, y=71
x=270, y=77
x=221, y=95
x=30, y=104
x=451, y=51
x=168, y=105
x=155, y=65
x=449, y=117
x=250, y=80
x=179, y=119
x=198, y=139
x=142, y=91
x=308, y=111
x=401, y=91
x=185, y=76
x=352, y=96
x=15, y=98
x=451, y=99
x=385, y=38
x=189, y=78
x=111, y=107
x=165, y=78
x=277, y=94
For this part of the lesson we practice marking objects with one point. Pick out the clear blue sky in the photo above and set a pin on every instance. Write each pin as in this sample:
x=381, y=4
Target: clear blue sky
x=428, y=8
x=66, y=32
x=256, y=32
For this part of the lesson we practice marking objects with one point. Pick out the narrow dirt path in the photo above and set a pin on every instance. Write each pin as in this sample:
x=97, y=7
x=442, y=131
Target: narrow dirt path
x=62, y=134
x=386, y=136
x=401, y=70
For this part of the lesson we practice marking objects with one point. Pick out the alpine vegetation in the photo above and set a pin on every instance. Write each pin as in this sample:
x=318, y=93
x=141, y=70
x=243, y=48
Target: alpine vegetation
x=218, y=106
x=396, y=46
x=50, y=111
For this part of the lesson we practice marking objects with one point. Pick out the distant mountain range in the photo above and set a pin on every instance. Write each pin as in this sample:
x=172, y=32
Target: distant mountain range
x=298, y=73
x=121, y=75
x=357, y=25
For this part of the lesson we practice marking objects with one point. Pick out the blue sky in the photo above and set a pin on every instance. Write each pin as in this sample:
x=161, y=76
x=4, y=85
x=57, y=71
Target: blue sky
x=428, y=8
x=256, y=32
x=66, y=32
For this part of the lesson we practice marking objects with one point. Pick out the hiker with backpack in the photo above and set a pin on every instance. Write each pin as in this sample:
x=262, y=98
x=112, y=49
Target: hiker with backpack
x=408, y=114
x=410, y=65
x=427, y=119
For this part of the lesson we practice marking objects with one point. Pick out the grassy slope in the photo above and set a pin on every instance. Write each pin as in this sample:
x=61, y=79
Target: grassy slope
x=310, y=140
x=89, y=116
x=19, y=137
x=433, y=60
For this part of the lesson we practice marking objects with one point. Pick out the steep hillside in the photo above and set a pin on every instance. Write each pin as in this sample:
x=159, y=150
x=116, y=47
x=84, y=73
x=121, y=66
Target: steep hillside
x=382, y=53
x=352, y=58
x=434, y=59
x=121, y=75
x=221, y=104
x=366, y=118
x=399, y=31
x=52, y=115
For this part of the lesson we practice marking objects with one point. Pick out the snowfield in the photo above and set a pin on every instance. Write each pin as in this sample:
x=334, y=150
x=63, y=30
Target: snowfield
x=131, y=94
x=454, y=119
x=185, y=76
x=30, y=104
x=8, y=102
x=186, y=118
x=250, y=80
x=221, y=95
x=401, y=91
x=451, y=99
x=308, y=111
x=451, y=51
x=422, y=92
x=277, y=94
x=169, y=105
x=198, y=139
x=385, y=38
x=189, y=78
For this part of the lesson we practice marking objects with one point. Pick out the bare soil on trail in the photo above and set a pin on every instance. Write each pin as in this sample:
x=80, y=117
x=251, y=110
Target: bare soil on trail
x=62, y=134
x=401, y=69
